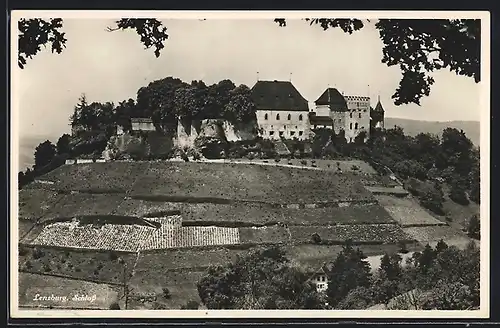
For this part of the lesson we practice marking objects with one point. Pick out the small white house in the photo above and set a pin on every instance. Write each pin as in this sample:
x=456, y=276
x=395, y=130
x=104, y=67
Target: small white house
x=142, y=124
x=119, y=130
x=320, y=279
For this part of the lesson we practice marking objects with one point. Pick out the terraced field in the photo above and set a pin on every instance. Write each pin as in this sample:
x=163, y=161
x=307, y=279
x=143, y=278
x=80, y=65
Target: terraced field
x=35, y=203
x=97, y=177
x=406, y=211
x=79, y=264
x=34, y=286
x=366, y=233
x=248, y=182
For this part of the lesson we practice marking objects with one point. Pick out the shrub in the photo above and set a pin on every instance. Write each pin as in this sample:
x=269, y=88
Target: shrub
x=23, y=251
x=114, y=306
x=474, y=227
x=38, y=253
x=28, y=265
x=113, y=256
x=196, y=156
x=277, y=159
x=290, y=163
x=250, y=156
x=166, y=293
x=190, y=305
x=433, y=201
x=355, y=168
x=402, y=247
x=457, y=194
x=315, y=238
x=46, y=268
x=184, y=157
x=303, y=162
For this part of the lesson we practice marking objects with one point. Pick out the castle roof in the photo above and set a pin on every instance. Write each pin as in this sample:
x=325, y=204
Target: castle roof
x=379, y=107
x=278, y=95
x=334, y=99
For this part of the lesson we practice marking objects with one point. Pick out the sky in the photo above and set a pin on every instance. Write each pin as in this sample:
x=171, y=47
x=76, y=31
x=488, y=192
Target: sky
x=112, y=66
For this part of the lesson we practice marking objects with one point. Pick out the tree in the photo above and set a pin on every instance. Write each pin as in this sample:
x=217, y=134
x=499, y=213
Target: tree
x=240, y=107
x=386, y=282
x=420, y=47
x=451, y=296
x=458, y=194
x=410, y=168
x=474, y=227
x=359, y=298
x=114, y=306
x=348, y=271
x=190, y=305
x=263, y=279
x=432, y=199
x=62, y=145
x=44, y=154
x=34, y=33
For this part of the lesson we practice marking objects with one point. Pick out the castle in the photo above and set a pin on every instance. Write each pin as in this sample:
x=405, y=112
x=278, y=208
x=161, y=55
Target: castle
x=283, y=112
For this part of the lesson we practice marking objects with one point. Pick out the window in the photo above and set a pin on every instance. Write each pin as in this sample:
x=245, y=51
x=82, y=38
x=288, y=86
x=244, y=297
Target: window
x=350, y=114
x=315, y=126
x=318, y=278
x=278, y=117
x=322, y=278
x=300, y=117
x=292, y=133
x=265, y=117
x=284, y=128
x=350, y=126
x=271, y=133
x=300, y=133
x=356, y=126
x=359, y=115
x=350, y=139
x=281, y=133
x=289, y=117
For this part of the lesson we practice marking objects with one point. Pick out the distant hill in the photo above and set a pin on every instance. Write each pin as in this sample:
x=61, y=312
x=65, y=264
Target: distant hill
x=414, y=127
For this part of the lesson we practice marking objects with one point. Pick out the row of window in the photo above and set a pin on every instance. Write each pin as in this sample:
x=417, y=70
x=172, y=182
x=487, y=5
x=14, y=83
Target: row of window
x=350, y=114
x=282, y=133
x=278, y=117
x=355, y=126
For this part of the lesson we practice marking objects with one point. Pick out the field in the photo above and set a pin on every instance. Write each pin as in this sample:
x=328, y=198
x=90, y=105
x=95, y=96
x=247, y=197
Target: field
x=258, y=214
x=110, y=176
x=264, y=235
x=34, y=286
x=128, y=238
x=406, y=211
x=324, y=164
x=81, y=264
x=373, y=233
x=314, y=256
x=248, y=182
x=182, y=287
x=34, y=203
x=431, y=235
x=73, y=205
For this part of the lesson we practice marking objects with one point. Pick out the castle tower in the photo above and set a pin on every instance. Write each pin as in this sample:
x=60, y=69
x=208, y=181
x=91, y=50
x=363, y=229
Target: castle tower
x=377, y=115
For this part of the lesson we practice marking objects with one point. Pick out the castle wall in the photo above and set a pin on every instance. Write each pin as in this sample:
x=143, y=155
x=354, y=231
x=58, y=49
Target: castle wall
x=282, y=123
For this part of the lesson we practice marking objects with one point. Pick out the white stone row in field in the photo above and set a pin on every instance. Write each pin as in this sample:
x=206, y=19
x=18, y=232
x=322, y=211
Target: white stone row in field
x=132, y=238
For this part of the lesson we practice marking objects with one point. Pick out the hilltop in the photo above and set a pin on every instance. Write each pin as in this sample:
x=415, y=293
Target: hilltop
x=414, y=127
x=170, y=221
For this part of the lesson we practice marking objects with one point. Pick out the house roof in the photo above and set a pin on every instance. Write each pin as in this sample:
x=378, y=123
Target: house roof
x=141, y=120
x=278, y=95
x=320, y=120
x=334, y=99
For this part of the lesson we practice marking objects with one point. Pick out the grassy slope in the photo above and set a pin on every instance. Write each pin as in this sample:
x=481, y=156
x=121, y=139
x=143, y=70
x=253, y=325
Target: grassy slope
x=32, y=284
